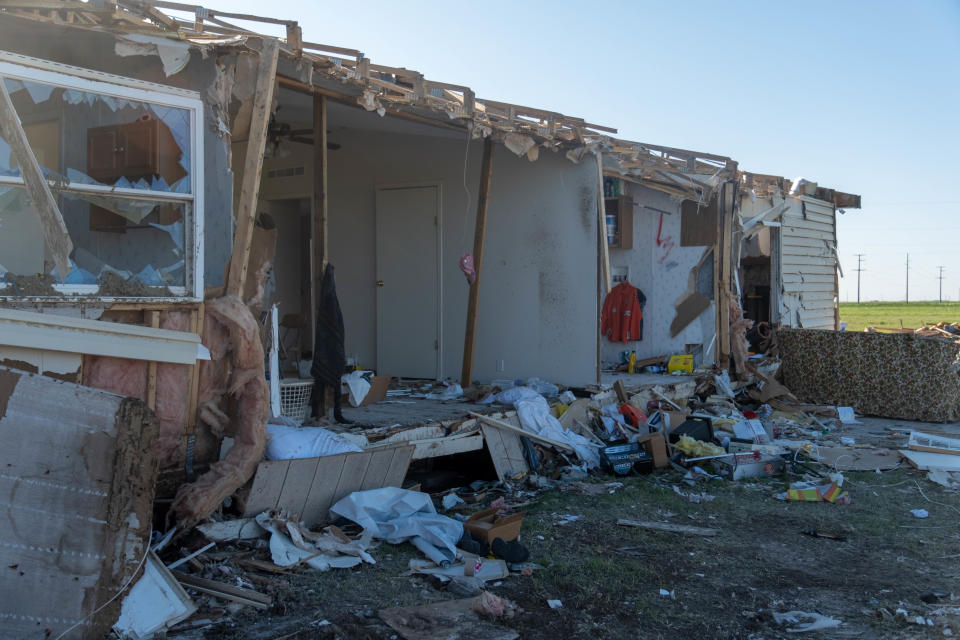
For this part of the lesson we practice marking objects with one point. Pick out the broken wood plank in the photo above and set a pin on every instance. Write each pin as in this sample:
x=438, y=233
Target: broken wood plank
x=666, y=526
x=224, y=591
x=479, y=236
x=529, y=434
x=152, y=366
x=319, y=205
x=55, y=234
x=253, y=167
x=506, y=452
x=445, y=621
x=448, y=446
x=621, y=392
x=320, y=494
x=602, y=230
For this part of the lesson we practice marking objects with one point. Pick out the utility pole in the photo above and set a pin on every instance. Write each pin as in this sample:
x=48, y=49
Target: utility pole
x=908, y=279
x=859, y=269
x=940, y=278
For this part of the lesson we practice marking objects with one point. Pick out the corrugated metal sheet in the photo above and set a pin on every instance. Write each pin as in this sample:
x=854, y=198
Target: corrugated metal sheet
x=807, y=252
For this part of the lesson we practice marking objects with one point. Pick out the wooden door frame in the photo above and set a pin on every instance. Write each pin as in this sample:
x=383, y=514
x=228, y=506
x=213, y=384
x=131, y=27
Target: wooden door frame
x=394, y=186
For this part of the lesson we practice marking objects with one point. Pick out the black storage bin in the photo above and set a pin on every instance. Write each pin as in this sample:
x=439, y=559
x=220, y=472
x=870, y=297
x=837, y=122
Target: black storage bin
x=696, y=428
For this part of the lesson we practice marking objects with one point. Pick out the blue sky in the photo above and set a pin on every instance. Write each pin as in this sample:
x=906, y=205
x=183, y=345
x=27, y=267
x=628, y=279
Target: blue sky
x=862, y=97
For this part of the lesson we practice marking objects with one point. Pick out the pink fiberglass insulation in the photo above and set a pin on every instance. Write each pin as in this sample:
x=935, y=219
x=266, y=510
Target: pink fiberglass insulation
x=118, y=375
x=234, y=401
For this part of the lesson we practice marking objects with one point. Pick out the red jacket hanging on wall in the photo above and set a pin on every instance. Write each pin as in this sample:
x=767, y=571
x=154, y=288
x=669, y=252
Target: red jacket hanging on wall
x=622, y=316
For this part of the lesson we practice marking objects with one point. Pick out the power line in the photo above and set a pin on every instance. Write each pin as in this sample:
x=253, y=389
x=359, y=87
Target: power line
x=908, y=279
x=859, y=270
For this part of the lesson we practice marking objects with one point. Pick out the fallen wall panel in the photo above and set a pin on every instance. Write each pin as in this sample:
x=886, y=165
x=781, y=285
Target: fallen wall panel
x=76, y=479
x=902, y=376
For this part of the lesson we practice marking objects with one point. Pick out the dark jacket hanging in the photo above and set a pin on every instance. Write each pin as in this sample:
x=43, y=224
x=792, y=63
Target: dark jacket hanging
x=329, y=355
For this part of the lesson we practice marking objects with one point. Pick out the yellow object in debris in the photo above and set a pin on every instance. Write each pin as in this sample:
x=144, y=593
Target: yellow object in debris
x=682, y=363
x=631, y=368
x=561, y=408
x=698, y=448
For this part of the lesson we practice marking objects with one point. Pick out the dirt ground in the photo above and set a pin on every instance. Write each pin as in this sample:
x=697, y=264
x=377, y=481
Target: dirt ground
x=609, y=578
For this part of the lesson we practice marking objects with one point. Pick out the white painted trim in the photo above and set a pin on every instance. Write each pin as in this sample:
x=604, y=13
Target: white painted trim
x=51, y=332
x=105, y=190
x=80, y=78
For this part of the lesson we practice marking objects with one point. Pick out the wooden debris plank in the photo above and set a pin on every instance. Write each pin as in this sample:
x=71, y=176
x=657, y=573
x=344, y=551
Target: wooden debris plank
x=253, y=166
x=666, y=526
x=267, y=485
x=152, y=367
x=325, y=482
x=55, y=234
x=224, y=591
x=398, y=467
x=377, y=469
x=354, y=470
x=533, y=436
x=439, y=447
x=479, y=237
x=297, y=485
x=498, y=453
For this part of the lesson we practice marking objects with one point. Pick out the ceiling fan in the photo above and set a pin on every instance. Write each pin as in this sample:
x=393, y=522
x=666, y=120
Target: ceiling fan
x=280, y=131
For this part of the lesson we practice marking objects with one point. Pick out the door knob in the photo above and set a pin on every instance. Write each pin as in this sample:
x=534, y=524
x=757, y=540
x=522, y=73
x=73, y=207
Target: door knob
x=379, y=283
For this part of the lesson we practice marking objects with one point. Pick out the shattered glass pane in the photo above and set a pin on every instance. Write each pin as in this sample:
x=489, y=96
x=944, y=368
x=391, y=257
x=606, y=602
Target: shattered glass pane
x=134, y=242
x=92, y=138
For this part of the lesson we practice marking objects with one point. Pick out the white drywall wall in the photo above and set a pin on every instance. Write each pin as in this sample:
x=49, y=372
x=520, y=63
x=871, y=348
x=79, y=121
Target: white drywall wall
x=662, y=273
x=538, y=293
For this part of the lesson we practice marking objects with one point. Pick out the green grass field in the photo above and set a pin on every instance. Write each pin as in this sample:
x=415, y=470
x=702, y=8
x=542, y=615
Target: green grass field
x=891, y=314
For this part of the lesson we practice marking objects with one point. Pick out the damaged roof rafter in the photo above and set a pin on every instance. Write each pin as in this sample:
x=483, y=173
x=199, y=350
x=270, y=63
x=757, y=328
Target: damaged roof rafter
x=407, y=89
x=764, y=184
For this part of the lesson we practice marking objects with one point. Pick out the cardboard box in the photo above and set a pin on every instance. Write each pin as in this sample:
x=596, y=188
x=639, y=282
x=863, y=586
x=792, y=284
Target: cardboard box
x=656, y=446
x=749, y=465
x=486, y=524
x=378, y=390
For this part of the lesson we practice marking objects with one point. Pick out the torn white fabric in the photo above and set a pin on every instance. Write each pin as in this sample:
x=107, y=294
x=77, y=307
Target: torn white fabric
x=288, y=547
x=534, y=414
x=357, y=386
x=397, y=515
x=291, y=443
x=173, y=54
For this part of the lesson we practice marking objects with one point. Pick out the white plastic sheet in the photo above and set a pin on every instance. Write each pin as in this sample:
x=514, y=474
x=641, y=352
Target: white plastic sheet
x=534, y=414
x=357, y=386
x=397, y=515
x=290, y=443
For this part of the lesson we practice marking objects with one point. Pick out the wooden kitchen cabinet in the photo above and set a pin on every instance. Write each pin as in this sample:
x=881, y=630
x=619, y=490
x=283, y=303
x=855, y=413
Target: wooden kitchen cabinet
x=619, y=222
x=143, y=149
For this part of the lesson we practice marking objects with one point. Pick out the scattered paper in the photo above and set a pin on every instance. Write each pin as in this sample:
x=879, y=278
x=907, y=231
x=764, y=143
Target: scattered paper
x=920, y=513
x=847, y=416
x=554, y=604
x=811, y=621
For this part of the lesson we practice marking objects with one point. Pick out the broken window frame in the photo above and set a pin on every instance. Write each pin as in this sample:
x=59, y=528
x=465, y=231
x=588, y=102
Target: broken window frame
x=29, y=69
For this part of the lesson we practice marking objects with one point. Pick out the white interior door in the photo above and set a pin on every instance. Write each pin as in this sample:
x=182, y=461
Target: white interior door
x=408, y=281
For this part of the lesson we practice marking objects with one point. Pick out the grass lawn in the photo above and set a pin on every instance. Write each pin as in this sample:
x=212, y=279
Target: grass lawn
x=891, y=314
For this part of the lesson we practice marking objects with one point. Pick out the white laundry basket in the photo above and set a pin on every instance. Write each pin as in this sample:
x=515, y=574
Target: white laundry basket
x=295, y=398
